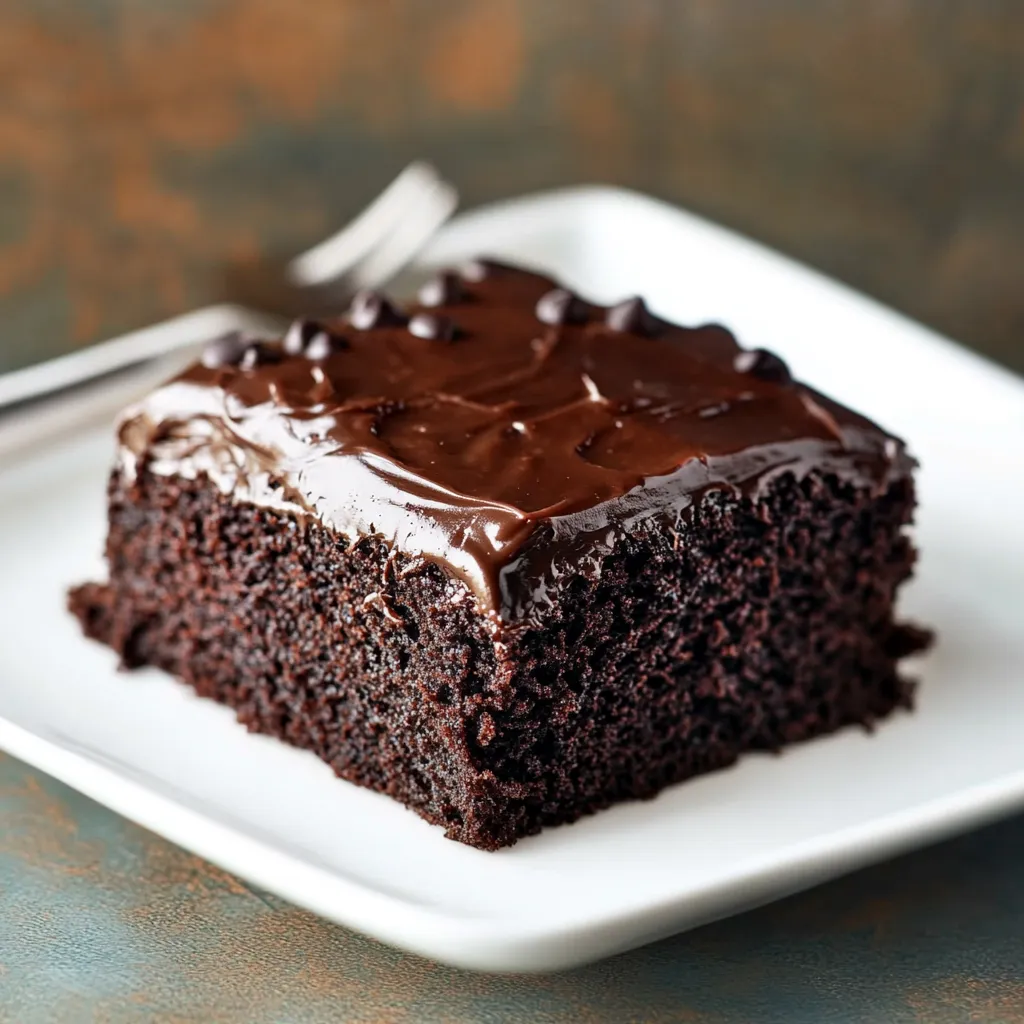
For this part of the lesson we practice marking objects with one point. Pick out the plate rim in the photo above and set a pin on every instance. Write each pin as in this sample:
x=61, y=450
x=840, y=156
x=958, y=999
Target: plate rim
x=493, y=942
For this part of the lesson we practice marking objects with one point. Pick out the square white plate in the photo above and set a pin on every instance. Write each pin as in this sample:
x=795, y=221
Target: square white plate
x=146, y=747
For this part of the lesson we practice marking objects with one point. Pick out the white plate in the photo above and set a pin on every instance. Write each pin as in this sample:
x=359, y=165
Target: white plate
x=146, y=747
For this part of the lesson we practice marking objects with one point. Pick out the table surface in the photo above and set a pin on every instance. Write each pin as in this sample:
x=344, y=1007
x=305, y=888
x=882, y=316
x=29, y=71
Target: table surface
x=102, y=920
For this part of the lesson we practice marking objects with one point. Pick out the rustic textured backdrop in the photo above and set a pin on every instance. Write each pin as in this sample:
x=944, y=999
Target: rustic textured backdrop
x=145, y=144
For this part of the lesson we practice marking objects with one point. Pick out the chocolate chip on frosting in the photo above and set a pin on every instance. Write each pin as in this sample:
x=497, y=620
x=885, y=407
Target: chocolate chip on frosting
x=632, y=317
x=444, y=290
x=258, y=353
x=433, y=327
x=763, y=365
x=299, y=336
x=312, y=339
x=480, y=269
x=370, y=309
x=323, y=344
x=561, y=306
x=227, y=350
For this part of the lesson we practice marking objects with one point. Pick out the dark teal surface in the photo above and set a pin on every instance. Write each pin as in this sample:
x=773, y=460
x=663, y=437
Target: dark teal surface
x=103, y=921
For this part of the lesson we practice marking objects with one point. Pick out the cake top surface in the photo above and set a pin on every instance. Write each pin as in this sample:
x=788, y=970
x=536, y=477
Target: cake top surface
x=498, y=405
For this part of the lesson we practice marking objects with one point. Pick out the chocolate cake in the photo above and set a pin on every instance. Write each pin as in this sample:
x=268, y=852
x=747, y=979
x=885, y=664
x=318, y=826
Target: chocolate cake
x=509, y=556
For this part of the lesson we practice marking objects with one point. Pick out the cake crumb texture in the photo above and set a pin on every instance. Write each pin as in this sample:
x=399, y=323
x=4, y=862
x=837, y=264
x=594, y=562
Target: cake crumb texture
x=757, y=623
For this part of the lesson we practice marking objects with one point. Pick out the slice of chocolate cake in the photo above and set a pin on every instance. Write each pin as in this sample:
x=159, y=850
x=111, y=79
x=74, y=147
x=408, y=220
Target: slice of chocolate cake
x=513, y=557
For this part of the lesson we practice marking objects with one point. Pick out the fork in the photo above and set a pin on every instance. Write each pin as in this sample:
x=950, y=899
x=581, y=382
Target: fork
x=366, y=253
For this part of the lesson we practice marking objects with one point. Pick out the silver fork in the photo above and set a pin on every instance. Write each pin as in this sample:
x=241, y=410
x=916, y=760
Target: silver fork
x=366, y=253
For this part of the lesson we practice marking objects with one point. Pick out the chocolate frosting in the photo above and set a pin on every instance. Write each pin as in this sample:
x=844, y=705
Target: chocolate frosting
x=507, y=429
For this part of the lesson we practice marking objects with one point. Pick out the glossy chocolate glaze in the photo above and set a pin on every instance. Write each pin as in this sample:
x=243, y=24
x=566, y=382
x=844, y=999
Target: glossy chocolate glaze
x=506, y=431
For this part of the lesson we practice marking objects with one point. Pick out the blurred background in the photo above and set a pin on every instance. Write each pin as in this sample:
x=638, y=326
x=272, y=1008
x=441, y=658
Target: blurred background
x=146, y=145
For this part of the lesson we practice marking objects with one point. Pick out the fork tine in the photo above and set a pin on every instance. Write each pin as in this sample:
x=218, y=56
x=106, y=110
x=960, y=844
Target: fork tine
x=396, y=249
x=340, y=254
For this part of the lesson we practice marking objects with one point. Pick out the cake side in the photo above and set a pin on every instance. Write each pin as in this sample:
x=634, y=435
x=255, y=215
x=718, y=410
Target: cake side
x=757, y=625
x=752, y=626
x=373, y=661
